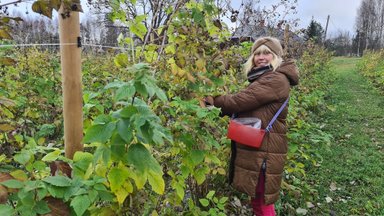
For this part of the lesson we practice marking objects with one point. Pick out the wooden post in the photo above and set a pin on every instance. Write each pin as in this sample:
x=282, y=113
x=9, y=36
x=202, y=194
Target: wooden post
x=69, y=31
x=286, y=41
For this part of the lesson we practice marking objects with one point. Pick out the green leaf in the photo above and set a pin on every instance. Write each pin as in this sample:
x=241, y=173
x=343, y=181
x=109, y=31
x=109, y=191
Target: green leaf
x=140, y=88
x=118, y=146
x=149, y=85
x=82, y=156
x=57, y=192
x=117, y=176
x=145, y=133
x=158, y=137
x=128, y=111
x=140, y=157
x=140, y=18
x=124, y=130
x=92, y=195
x=82, y=160
x=198, y=16
x=125, y=92
x=197, y=156
x=52, y=156
x=137, y=27
x=80, y=204
x=23, y=157
x=161, y=94
x=27, y=198
x=156, y=181
x=121, y=60
x=6, y=210
x=60, y=181
x=25, y=210
x=103, y=152
x=12, y=183
x=102, y=119
x=204, y=202
x=179, y=190
x=115, y=84
x=210, y=194
x=106, y=196
x=41, y=193
x=199, y=176
x=99, y=133
x=223, y=200
x=41, y=207
x=184, y=171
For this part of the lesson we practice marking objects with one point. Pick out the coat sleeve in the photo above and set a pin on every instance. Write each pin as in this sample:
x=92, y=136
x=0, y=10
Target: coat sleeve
x=268, y=88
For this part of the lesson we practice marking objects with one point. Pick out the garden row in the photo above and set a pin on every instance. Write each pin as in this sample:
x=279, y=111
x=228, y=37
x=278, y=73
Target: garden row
x=372, y=66
x=149, y=147
x=132, y=127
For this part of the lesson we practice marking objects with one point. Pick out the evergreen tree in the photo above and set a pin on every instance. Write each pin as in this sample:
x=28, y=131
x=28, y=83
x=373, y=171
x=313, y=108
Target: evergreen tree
x=314, y=32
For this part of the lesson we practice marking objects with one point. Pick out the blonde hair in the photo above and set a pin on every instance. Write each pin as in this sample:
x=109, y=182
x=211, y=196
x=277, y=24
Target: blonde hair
x=249, y=64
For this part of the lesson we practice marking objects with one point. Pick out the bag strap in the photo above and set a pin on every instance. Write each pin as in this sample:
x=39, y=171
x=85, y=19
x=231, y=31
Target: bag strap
x=269, y=127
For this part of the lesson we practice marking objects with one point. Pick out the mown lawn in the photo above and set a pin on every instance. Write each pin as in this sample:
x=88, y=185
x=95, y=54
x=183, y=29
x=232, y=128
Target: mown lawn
x=350, y=180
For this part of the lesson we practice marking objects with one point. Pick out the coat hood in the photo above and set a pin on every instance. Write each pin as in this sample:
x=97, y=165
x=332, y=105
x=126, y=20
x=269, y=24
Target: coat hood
x=289, y=69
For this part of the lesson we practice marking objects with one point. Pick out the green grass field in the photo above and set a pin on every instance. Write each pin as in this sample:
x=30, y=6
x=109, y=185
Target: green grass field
x=350, y=180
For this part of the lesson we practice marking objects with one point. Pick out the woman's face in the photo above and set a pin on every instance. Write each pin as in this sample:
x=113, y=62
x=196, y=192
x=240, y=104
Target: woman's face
x=262, y=59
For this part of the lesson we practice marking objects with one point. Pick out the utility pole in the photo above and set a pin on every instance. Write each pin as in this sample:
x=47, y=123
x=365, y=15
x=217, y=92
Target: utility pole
x=326, y=28
x=358, y=43
x=70, y=51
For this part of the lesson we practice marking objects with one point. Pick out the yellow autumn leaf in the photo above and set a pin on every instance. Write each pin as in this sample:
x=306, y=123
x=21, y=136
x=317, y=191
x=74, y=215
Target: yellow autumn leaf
x=121, y=195
x=221, y=171
x=128, y=186
x=6, y=127
x=101, y=170
x=89, y=172
x=19, y=175
x=200, y=64
x=191, y=78
x=4, y=34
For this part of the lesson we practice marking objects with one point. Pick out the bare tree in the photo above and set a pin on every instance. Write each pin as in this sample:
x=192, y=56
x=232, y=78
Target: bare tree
x=35, y=29
x=158, y=14
x=370, y=24
x=251, y=13
x=341, y=44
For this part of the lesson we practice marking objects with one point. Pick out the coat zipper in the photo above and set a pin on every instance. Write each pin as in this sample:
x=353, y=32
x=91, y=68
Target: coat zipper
x=264, y=165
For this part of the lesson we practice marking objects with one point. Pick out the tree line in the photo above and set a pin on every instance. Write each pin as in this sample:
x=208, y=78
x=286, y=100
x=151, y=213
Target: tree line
x=370, y=26
x=98, y=29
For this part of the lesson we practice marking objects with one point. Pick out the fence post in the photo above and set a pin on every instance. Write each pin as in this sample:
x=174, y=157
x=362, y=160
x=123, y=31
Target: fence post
x=69, y=32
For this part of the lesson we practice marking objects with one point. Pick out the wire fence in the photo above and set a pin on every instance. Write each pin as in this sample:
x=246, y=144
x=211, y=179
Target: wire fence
x=62, y=44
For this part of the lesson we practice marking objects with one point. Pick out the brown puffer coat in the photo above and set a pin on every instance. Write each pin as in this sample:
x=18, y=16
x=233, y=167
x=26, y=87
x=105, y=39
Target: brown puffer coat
x=262, y=99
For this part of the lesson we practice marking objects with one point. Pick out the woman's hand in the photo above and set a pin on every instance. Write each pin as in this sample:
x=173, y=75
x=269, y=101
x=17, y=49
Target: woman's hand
x=206, y=102
x=209, y=101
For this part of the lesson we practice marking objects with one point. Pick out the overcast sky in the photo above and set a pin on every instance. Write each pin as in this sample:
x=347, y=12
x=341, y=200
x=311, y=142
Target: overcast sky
x=342, y=12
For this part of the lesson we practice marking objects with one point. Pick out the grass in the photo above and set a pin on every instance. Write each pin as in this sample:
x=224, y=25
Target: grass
x=350, y=181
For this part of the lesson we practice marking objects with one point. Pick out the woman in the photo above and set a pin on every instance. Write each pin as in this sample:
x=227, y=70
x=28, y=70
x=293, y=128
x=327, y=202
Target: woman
x=258, y=172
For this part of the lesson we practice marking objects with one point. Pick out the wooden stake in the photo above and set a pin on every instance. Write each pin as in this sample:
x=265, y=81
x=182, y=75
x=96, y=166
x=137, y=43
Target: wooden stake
x=69, y=31
x=286, y=41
